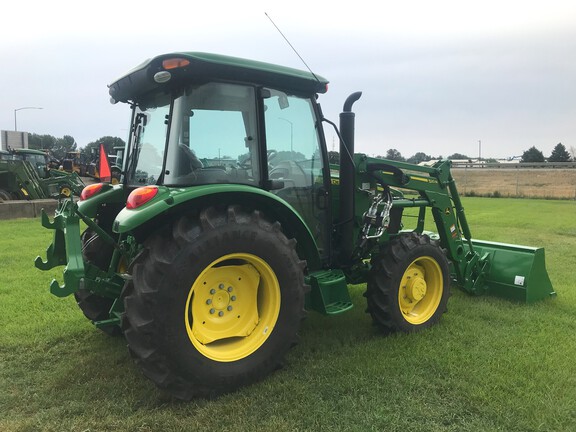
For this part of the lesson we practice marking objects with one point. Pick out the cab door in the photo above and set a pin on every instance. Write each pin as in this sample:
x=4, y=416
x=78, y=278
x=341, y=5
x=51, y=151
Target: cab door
x=296, y=161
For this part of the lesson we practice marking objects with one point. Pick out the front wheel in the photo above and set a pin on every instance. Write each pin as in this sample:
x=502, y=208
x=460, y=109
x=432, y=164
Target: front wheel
x=4, y=196
x=215, y=302
x=409, y=284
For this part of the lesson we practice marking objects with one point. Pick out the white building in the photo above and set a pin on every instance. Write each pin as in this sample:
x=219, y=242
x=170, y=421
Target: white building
x=14, y=140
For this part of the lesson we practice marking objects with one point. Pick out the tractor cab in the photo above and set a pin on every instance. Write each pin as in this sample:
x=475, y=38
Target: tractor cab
x=38, y=159
x=190, y=131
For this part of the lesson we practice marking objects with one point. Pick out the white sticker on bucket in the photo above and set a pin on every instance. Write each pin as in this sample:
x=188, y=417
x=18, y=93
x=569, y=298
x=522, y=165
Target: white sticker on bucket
x=519, y=280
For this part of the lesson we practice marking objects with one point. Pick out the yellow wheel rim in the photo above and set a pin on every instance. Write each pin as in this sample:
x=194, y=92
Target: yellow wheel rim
x=232, y=307
x=421, y=290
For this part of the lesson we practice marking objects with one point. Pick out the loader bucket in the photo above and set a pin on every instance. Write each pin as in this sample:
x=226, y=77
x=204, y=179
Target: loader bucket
x=515, y=272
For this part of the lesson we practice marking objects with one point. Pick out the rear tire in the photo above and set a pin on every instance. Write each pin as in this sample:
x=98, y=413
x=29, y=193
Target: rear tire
x=215, y=302
x=409, y=285
x=96, y=308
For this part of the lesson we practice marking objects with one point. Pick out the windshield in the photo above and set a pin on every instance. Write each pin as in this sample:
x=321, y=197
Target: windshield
x=213, y=136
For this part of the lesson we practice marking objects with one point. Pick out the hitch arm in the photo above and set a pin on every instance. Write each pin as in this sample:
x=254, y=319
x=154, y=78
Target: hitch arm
x=66, y=249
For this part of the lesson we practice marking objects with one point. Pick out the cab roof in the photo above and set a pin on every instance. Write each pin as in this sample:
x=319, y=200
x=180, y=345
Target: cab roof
x=198, y=67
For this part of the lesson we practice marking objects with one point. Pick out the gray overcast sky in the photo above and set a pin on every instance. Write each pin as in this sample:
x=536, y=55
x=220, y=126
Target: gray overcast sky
x=436, y=76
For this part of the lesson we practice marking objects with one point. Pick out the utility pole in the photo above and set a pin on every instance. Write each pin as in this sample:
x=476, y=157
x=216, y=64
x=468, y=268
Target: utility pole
x=18, y=109
x=479, y=150
x=291, y=133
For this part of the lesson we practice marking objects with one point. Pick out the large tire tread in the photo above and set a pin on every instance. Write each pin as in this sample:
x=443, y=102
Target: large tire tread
x=383, y=284
x=4, y=195
x=95, y=307
x=144, y=324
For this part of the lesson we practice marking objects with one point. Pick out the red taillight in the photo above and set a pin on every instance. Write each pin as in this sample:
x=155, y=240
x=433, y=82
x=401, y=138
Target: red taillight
x=174, y=63
x=139, y=197
x=90, y=191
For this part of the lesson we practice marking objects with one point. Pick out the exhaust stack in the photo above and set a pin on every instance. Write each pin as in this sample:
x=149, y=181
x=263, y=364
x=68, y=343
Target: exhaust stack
x=347, y=178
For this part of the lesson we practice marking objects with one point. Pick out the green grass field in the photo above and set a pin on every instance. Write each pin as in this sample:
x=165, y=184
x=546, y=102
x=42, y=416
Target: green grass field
x=489, y=365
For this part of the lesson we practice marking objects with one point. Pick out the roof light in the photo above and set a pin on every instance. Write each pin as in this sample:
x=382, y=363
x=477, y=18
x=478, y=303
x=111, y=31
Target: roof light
x=174, y=63
x=139, y=197
x=90, y=190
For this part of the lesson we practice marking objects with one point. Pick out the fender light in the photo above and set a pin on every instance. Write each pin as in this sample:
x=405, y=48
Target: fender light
x=139, y=197
x=91, y=190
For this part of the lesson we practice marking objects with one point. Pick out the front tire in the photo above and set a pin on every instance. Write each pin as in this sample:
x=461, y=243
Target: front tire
x=409, y=284
x=4, y=196
x=215, y=302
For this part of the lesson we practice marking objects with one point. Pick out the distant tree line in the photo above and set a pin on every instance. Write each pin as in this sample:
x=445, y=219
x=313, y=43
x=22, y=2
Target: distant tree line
x=58, y=147
x=559, y=154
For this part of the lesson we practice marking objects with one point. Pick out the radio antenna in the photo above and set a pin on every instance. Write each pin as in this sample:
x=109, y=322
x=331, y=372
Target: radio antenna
x=293, y=49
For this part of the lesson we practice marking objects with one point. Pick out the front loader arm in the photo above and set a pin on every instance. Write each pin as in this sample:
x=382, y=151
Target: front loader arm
x=511, y=271
x=436, y=190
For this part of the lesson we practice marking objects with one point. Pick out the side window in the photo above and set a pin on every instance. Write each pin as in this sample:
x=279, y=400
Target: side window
x=292, y=141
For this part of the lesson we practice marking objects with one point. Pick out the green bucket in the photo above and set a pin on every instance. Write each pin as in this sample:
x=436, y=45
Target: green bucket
x=515, y=272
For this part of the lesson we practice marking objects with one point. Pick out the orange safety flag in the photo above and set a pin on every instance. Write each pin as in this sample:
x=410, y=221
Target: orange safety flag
x=104, y=166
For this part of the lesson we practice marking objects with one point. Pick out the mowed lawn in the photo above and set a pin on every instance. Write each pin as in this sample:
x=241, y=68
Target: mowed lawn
x=489, y=365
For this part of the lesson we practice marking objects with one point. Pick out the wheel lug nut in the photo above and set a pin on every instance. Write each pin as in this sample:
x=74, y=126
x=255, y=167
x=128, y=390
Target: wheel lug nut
x=220, y=313
x=229, y=289
x=209, y=301
x=229, y=308
x=212, y=291
x=212, y=311
x=221, y=286
x=233, y=298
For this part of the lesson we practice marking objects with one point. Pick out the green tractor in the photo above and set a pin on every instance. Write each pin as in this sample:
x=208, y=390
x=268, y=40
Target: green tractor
x=230, y=224
x=25, y=174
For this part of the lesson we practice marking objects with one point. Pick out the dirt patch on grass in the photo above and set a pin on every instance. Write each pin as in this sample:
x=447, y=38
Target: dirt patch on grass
x=520, y=183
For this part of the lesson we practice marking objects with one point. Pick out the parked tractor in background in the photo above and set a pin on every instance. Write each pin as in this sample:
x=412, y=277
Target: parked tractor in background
x=228, y=226
x=115, y=158
x=40, y=160
x=25, y=174
x=72, y=163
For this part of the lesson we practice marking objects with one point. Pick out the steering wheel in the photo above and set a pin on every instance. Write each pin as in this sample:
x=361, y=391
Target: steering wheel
x=271, y=154
x=188, y=161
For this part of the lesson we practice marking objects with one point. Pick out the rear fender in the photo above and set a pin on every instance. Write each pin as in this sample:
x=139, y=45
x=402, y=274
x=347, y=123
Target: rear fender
x=169, y=203
x=109, y=195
